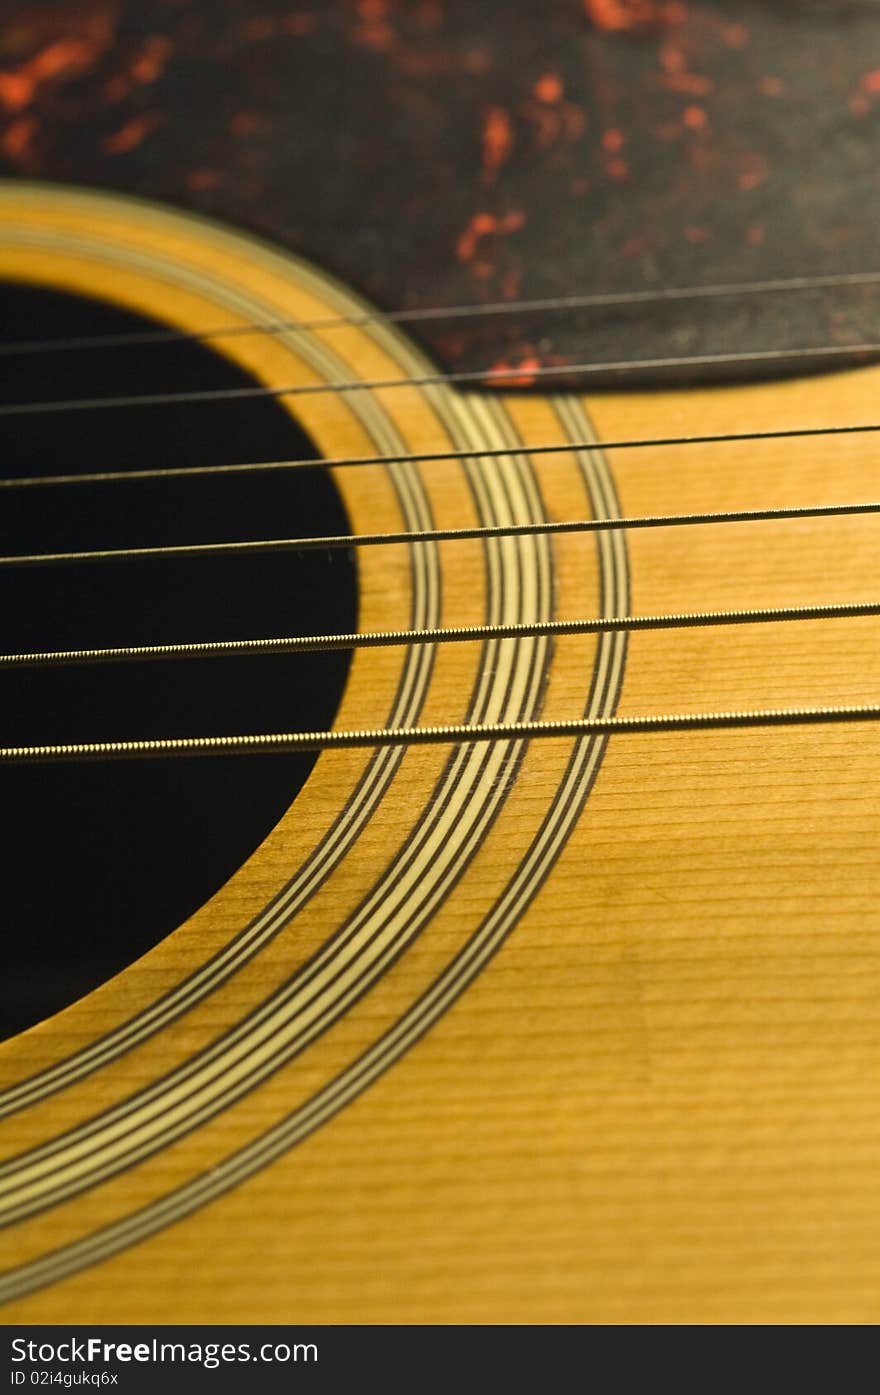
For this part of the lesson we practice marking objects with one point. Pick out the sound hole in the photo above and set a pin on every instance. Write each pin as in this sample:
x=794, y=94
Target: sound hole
x=103, y=860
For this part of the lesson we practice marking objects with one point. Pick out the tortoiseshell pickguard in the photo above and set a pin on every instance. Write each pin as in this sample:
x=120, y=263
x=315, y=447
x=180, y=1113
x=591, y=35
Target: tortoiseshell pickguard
x=437, y=153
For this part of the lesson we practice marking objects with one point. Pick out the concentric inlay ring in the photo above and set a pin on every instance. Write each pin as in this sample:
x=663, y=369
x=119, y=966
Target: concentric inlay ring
x=193, y=274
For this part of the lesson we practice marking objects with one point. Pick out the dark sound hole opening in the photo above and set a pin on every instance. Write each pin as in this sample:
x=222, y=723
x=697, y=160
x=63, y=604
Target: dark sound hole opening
x=103, y=860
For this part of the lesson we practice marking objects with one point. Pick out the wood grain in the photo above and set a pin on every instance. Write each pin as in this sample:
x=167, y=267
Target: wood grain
x=657, y=1100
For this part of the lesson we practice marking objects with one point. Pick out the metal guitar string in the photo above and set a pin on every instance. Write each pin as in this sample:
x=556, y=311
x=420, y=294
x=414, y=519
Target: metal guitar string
x=427, y=457
x=278, y=743
x=292, y=742
x=300, y=741
x=345, y=541
x=592, y=300
x=375, y=639
x=510, y=377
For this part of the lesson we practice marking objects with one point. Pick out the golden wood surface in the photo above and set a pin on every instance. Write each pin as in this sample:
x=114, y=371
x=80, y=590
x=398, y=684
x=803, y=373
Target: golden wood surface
x=658, y=1100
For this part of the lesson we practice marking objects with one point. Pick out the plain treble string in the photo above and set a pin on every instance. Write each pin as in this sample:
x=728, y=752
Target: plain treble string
x=344, y=541
x=431, y=456
x=421, y=315
x=510, y=377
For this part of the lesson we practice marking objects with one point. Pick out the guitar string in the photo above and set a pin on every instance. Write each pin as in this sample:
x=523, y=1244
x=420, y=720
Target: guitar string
x=320, y=740
x=511, y=377
x=426, y=457
x=591, y=300
x=279, y=743
x=374, y=639
x=347, y=541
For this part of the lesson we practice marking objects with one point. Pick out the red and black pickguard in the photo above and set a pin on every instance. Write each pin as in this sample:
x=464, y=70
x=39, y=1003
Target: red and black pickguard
x=440, y=151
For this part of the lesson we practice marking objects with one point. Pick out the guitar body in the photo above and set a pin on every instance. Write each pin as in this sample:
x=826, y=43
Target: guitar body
x=569, y=1029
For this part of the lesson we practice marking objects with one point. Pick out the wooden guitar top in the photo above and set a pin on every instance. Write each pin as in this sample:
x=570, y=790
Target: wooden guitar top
x=509, y=1031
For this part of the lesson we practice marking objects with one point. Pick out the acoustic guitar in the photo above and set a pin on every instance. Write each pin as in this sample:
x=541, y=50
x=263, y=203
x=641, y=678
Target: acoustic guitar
x=440, y=775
